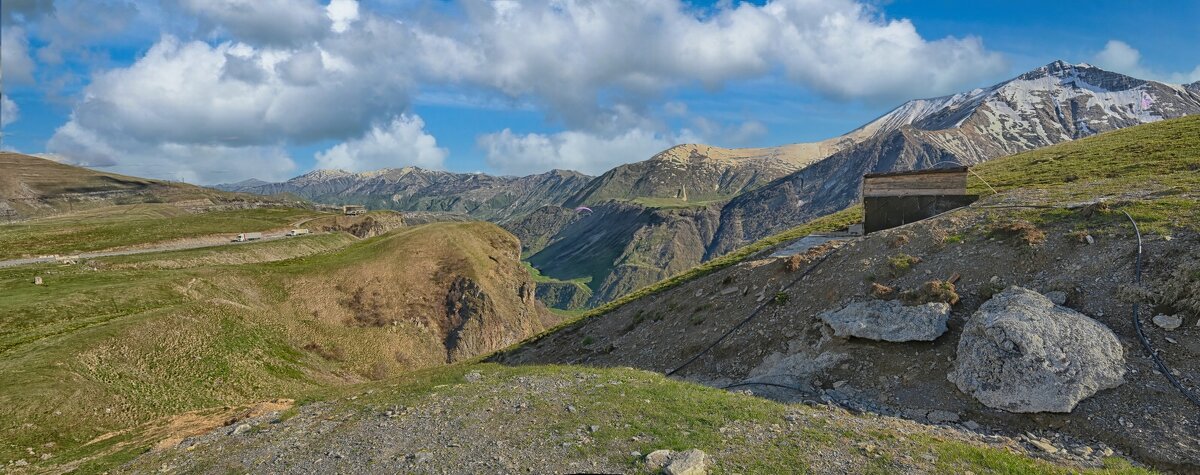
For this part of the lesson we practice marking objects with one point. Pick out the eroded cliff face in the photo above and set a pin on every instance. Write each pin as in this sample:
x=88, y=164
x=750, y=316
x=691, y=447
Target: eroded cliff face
x=475, y=325
x=362, y=226
x=428, y=295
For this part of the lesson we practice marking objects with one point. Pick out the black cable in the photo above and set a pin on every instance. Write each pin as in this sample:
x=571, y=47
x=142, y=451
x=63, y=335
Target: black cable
x=751, y=317
x=1137, y=323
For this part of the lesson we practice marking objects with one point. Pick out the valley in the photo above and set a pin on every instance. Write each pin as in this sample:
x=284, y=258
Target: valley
x=693, y=203
x=384, y=345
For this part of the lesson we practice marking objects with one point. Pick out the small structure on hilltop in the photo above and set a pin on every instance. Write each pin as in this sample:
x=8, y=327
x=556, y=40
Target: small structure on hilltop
x=897, y=198
x=354, y=210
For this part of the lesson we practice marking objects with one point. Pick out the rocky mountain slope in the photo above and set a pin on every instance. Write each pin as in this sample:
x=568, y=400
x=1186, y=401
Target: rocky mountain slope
x=34, y=186
x=778, y=325
x=666, y=204
x=1052, y=104
x=695, y=173
x=481, y=196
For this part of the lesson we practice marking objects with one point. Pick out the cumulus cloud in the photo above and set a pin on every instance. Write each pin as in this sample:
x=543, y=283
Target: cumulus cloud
x=570, y=53
x=9, y=112
x=284, y=72
x=342, y=13
x=15, y=64
x=1120, y=57
x=523, y=154
x=193, y=163
x=263, y=22
x=232, y=104
x=401, y=142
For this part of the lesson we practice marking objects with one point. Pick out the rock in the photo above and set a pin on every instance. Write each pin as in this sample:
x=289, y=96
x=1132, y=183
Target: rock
x=37, y=280
x=1082, y=451
x=1168, y=322
x=942, y=417
x=658, y=459
x=1057, y=296
x=972, y=425
x=1021, y=353
x=691, y=462
x=1043, y=445
x=473, y=377
x=1107, y=452
x=889, y=320
x=241, y=429
x=422, y=457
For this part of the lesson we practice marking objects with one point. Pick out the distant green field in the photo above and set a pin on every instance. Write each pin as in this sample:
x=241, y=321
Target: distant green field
x=118, y=226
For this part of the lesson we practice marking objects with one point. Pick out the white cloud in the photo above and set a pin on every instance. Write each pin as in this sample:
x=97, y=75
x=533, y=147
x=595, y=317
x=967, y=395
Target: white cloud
x=263, y=22
x=15, y=64
x=194, y=163
x=342, y=13
x=572, y=54
x=523, y=154
x=9, y=112
x=298, y=72
x=1119, y=56
x=401, y=142
x=233, y=106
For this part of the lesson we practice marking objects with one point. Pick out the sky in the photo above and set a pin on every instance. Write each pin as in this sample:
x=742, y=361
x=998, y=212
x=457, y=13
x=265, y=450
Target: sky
x=212, y=91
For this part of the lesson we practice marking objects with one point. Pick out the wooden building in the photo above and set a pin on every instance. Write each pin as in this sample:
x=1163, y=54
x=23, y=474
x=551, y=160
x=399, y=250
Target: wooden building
x=897, y=198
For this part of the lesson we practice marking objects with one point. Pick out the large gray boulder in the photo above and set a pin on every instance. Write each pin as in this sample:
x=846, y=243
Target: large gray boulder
x=1022, y=353
x=889, y=320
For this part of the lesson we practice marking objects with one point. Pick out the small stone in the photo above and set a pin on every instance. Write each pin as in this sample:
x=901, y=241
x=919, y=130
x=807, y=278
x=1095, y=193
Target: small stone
x=241, y=429
x=1082, y=451
x=1089, y=239
x=1107, y=452
x=593, y=428
x=691, y=462
x=1172, y=341
x=972, y=425
x=1168, y=322
x=571, y=409
x=422, y=457
x=658, y=459
x=20, y=463
x=942, y=417
x=473, y=377
x=1057, y=296
x=37, y=280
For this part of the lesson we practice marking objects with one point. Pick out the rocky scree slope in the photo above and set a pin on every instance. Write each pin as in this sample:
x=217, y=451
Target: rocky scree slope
x=1054, y=228
x=490, y=418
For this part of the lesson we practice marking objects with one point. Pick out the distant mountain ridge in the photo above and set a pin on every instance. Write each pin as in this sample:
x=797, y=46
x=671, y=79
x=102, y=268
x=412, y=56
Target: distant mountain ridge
x=694, y=202
x=481, y=196
x=1051, y=104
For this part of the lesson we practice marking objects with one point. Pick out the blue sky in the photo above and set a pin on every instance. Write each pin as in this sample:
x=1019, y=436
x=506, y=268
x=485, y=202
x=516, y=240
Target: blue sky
x=220, y=90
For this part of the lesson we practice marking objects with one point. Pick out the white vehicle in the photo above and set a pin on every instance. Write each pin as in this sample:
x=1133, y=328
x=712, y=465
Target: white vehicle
x=298, y=232
x=247, y=237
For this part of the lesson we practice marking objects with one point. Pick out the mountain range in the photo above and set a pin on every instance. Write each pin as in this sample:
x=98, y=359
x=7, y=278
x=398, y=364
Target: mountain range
x=691, y=203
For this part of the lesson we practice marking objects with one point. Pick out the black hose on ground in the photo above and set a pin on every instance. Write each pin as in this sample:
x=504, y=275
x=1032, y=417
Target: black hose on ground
x=1137, y=323
x=751, y=317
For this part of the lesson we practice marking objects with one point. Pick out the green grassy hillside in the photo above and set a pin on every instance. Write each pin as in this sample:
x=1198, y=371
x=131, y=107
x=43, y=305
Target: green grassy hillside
x=144, y=337
x=127, y=225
